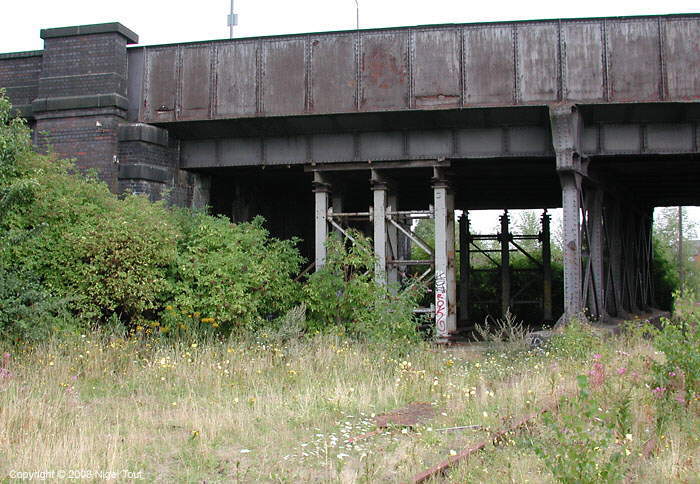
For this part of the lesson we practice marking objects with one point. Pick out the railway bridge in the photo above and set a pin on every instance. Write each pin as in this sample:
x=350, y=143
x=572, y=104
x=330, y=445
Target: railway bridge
x=378, y=128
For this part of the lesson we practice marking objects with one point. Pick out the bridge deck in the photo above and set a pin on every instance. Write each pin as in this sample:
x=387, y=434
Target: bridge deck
x=607, y=60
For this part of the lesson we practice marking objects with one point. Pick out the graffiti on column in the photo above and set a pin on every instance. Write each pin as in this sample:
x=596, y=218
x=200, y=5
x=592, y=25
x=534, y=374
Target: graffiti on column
x=441, y=303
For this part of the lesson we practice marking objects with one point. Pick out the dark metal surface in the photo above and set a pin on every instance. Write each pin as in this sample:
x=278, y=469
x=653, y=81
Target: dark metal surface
x=617, y=60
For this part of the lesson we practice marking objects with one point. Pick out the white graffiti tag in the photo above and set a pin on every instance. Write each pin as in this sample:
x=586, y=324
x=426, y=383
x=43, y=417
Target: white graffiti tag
x=441, y=303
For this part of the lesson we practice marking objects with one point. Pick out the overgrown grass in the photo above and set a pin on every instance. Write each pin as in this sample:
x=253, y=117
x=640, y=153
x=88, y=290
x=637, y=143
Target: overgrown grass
x=262, y=410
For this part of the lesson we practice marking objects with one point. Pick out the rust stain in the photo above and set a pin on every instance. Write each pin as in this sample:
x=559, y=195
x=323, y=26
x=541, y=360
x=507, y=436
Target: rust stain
x=407, y=416
x=383, y=69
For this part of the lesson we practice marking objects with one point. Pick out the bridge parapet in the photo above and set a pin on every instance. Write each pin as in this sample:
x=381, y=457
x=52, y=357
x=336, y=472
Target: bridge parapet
x=587, y=61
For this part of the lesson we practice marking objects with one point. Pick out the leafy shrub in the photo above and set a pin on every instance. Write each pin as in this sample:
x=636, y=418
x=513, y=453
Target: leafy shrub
x=129, y=258
x=27, y=310
x=583, y=447
x=118, y=263
x=344, y=296
x=230, y=276
x=677, y=378
x=106, y=255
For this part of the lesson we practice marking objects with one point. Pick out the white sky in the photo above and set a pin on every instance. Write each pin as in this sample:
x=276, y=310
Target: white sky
x=161, y=21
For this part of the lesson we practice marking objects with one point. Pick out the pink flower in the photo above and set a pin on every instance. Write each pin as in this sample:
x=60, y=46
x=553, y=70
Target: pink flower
x=621, y=371
x=597, y=374
x=5, y=374
x=671, y=373
x=680, y=399
x=658, y=391
x=597, y=356
x=6, y=356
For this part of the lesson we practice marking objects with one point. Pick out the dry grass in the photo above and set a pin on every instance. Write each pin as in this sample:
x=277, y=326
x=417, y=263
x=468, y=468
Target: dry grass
x=263, y=411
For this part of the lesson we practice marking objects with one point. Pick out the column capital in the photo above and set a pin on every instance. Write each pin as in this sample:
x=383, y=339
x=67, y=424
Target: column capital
x=441, y=178
x=321, y=183
x=567, y=128
x=379, y=181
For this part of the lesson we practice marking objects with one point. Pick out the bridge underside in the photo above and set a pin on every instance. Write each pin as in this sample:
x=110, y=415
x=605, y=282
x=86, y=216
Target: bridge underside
x=607, y=171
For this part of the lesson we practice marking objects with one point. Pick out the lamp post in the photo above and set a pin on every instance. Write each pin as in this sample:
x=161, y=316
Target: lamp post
x=232, y=21
x=357, y=14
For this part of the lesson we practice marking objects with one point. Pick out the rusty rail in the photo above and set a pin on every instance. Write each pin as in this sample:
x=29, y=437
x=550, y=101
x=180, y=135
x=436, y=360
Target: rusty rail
x=450, y=461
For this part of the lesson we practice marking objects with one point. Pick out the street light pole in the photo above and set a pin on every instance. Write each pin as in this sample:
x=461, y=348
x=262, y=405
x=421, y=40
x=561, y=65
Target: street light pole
x=357, y=14
x=232, y=21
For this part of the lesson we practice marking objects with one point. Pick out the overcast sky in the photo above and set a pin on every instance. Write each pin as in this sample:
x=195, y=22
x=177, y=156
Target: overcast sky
x=161, y=21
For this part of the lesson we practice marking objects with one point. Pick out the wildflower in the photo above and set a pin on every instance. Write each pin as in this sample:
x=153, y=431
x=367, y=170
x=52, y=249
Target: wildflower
x=207, y=320
x=245, y=451
x=597, y=356
x=597, y=374
x=168, y=308
x=621, y=371
x=658, y=391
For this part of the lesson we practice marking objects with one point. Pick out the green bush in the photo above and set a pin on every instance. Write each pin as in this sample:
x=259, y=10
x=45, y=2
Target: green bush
x=27, y=310
x=144, y=266
x=82, y=243
x=343, y=296
x=677, y=378
x=106, y=258
x=229, y=276
x=583, y=447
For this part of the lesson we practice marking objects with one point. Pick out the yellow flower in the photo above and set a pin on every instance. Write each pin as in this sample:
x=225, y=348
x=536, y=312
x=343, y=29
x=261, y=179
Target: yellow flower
x=168, y=308
x=207, y=320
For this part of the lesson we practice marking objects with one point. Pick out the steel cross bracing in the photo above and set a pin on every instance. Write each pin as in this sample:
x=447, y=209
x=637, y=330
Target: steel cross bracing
x=607, y=237
x=393, y=233
x=509, y=242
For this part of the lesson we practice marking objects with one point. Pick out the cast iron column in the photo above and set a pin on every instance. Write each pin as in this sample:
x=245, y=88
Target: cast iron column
x=445, y=283
x=322, y=192
x=566, y=137
x=464, y=268
x=379, y=209
x=546, y=269
x=504, y=238
x=595, y=247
